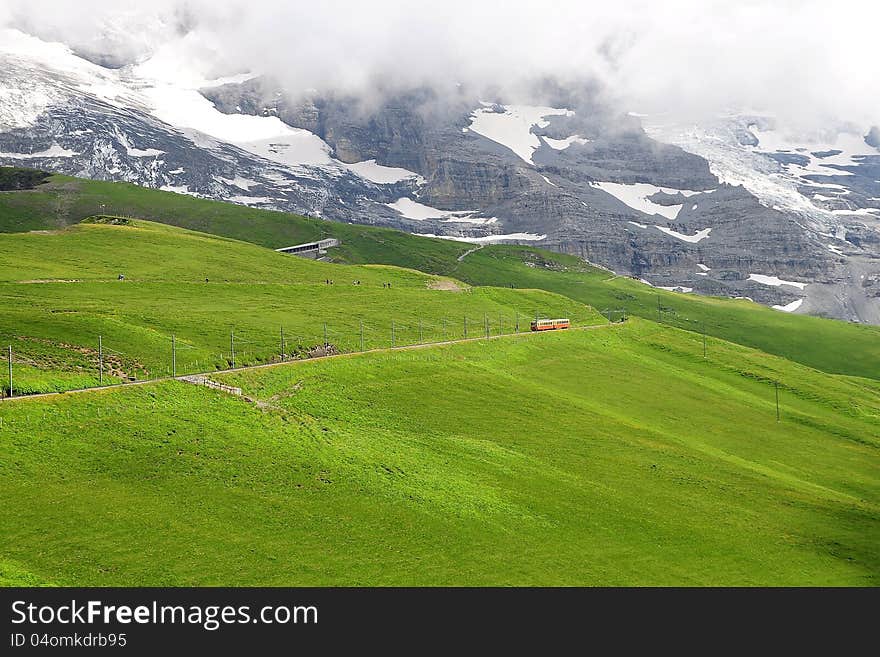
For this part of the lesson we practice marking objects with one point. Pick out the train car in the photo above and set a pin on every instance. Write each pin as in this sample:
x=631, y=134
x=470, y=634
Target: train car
x=550, y=324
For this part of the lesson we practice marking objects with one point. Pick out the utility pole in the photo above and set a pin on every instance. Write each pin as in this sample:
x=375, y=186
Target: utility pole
x=465, y=327
x=392, y=334
x=10, y=370
x=282, y=343
x=362, y=335
x=516, y=322
x=704, y=340
x=444, y=329
x=232, y=346
x=658, y=309
x=486, y=320
x=420, y=331
x=325, y=334
x=500, y=323
x=173, y=357
x=776, y=385
x=100, y=362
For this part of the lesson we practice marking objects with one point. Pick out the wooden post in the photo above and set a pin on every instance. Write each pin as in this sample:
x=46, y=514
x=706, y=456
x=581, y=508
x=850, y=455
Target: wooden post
x=776, y=386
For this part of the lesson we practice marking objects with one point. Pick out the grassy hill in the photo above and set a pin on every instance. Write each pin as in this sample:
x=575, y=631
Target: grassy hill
x=614, y=456
x=619, y=455
x=828, y=345
x=60, y=291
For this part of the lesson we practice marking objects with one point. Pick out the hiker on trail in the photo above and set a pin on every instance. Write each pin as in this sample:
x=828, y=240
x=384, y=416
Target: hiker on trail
x=121, y=277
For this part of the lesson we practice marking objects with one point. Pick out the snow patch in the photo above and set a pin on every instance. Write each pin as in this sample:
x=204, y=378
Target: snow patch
x=380, y=174
x=776, y=185
x=775, y=281
x=490, y=239
x=790, y=307
x=420, y=212
x=676, y=288
x=636, y=223
x=144, y=152
x=851, y=147
x=861, y=212
x=562, y=144
x=238, y=181
x=251, y=200
x=296, y=148
x=178, y=189
x=703, y=267
x=512, y=127
x=53, y=151
x=636, y=196
x=693, y=239
x=547, y=180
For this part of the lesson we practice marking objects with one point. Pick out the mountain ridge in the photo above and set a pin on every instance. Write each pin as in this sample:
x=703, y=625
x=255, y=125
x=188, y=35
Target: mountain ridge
x=571, y=175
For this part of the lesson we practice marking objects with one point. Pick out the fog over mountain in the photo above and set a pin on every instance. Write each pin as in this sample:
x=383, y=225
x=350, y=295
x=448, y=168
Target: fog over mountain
x=710, y=147
x=804, y=61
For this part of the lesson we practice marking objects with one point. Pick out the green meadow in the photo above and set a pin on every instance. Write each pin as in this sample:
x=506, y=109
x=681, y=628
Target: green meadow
x=617, y=456
x=644, y=452
x=831, y=346
x=60, y=291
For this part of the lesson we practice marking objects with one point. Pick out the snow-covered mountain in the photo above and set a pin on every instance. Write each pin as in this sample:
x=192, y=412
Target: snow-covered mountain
x=732, y=207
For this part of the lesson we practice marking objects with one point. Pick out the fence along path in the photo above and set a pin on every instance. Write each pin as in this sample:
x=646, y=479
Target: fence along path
x=203, y=378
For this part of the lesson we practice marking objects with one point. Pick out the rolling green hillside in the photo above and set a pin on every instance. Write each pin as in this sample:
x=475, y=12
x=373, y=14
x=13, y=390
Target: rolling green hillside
x=59, y=291
x=614, y=456
x=828, y=345
x=620, y=455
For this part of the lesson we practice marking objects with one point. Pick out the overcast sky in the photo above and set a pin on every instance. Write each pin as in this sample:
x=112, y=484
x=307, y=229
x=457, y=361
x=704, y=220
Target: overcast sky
x=804, y=60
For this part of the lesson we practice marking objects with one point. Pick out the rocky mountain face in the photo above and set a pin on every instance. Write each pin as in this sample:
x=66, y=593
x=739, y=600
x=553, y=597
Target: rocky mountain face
x=732, y=208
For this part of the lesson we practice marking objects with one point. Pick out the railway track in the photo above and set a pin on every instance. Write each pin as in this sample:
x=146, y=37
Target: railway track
x=351, y=354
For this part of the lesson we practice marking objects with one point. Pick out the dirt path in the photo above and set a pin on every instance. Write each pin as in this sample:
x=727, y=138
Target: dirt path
x=467, y=253
x=354, y=354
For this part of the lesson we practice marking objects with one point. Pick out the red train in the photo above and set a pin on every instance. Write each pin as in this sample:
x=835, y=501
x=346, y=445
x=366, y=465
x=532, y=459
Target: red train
x=550, y=324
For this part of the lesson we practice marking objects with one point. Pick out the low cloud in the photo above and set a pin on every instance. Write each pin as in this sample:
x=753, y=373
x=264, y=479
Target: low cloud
x=807, y=62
